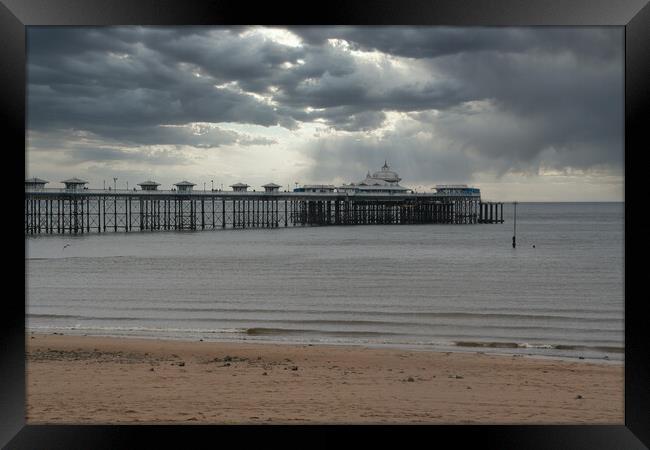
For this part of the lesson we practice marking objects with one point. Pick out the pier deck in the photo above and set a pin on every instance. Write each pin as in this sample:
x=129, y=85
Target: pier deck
x=61, y=211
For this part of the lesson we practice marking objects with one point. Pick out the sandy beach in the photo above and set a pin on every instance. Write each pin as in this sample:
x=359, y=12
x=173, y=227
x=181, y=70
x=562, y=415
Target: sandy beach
x=100, y=380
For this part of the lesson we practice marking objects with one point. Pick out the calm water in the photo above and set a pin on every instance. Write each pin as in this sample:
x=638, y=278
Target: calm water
x=445, y=287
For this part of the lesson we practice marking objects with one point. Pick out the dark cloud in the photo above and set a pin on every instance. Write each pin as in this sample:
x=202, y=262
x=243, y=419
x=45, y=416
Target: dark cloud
x=195, y=136
x=538, y=103
x=431, y=42
x=106, y=154
x=499, y=99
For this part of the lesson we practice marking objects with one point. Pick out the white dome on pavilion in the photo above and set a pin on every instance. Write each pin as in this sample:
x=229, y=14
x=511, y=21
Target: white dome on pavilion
x=386, y=174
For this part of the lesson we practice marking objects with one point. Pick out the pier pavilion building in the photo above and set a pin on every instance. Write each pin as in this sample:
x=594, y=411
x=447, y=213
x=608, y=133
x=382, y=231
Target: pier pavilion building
x=271, y=187
x=184, y=186
x=239, y=187
x=35, y=184
x=383, y=181
x=74, y=184
x=149, y=185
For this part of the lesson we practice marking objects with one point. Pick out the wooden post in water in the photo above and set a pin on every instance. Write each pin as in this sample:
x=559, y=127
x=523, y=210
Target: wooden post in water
x=514, y=235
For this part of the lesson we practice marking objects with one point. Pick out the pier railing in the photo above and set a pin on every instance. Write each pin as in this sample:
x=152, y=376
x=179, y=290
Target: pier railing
x=291, y=194
x=57, y=211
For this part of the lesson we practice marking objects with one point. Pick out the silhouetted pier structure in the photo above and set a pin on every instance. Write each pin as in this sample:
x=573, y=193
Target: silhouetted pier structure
x=73, y=210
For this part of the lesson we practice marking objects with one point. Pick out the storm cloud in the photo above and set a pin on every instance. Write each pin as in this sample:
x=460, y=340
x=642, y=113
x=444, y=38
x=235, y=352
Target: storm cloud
x=442, y=104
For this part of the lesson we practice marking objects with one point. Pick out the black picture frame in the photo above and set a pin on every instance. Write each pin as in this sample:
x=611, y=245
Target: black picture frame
x=15, y=15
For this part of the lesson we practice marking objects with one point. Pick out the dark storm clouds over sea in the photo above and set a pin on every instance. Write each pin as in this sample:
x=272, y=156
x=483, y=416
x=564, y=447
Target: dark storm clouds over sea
x=499, y=99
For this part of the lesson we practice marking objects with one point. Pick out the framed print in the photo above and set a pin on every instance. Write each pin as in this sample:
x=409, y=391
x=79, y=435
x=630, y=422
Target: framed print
x=412, y=213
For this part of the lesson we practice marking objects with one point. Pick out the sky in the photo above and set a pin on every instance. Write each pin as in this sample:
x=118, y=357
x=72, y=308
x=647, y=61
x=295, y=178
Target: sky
x=527, y=114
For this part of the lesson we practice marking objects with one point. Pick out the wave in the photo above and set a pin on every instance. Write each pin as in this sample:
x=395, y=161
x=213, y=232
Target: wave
x=351, y=337
x=442, y=315
x=259, y=331
x=374, y=309
x=418, y=328
x=277, y=331
x=143, y=329
x=255, y=331
x=607, y=349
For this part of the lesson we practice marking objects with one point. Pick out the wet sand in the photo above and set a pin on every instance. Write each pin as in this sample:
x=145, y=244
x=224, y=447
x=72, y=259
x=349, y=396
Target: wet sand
x=100, y=380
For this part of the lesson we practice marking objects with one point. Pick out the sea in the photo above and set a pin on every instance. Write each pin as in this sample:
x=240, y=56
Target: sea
x=559, y=293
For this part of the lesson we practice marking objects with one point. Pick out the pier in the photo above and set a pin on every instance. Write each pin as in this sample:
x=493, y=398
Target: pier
x=77, y=211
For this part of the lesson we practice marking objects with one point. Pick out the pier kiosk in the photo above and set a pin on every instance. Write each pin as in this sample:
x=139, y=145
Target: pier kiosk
x=149, y=185
x=184, y=186
x=271, y=187
x=35, y=184
x=239, y=187
x=74, y=184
